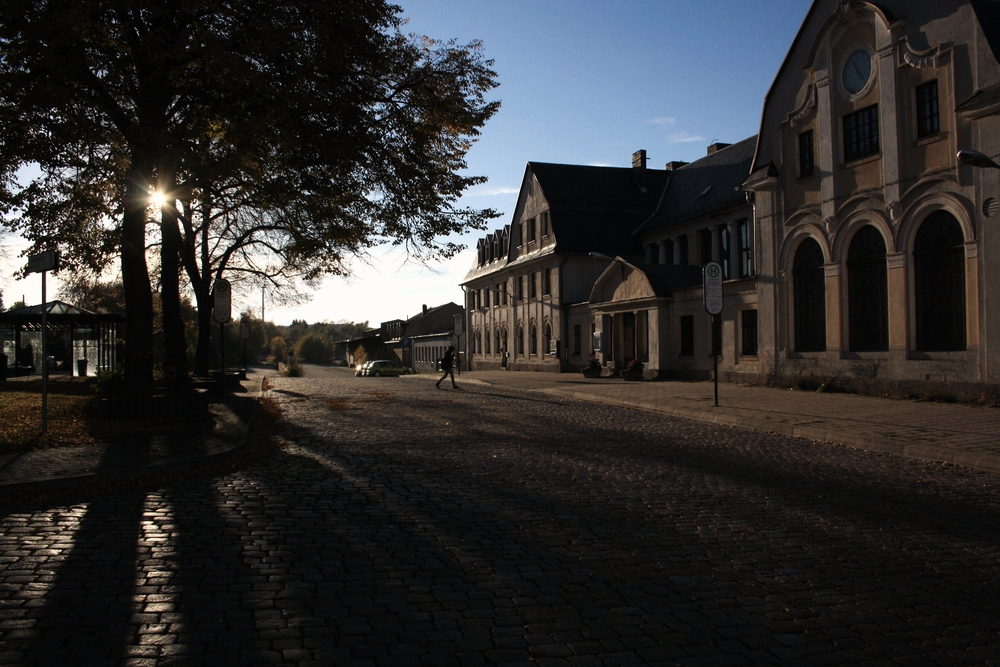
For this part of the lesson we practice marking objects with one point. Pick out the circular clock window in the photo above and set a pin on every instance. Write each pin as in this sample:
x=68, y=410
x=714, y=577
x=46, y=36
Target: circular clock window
x=857, y=71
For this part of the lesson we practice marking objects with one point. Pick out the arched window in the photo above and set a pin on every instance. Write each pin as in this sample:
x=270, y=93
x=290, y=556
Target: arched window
x=809, y=287
x=487, y=348
x=498, y=347
x=867, y=292
x=547, y=340
x=533, y=339
x=939, y=283
x=502, y=341
x=520, y=340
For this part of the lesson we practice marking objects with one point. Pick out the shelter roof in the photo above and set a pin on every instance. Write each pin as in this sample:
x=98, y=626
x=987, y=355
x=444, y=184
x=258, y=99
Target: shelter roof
x=58, y=314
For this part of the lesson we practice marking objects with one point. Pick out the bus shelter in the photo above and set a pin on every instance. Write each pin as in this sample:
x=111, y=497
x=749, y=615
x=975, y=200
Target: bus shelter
x=80, y=342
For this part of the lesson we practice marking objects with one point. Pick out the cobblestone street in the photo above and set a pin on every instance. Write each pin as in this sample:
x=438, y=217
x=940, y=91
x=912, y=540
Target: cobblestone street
x=405, y=525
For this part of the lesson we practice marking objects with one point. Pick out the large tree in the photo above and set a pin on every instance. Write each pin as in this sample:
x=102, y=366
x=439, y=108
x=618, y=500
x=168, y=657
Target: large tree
x=283, y=133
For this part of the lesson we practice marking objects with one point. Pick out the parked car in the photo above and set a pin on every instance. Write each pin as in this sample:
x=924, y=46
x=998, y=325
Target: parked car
x=385, y=367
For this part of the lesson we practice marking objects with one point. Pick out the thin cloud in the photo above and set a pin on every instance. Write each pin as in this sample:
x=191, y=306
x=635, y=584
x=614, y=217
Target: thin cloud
x=600, y=164
x=684, y=138
x=663, y=120
x=492, y=191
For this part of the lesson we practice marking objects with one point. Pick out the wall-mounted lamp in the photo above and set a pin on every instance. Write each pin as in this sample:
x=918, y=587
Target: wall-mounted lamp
x=977, y=159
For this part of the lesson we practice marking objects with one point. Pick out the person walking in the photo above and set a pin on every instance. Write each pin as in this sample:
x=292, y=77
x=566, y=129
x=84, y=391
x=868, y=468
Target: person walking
x=448, y=366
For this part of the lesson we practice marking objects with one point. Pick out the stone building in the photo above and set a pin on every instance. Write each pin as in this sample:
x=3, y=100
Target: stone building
x=876, y=243
x=528, y=274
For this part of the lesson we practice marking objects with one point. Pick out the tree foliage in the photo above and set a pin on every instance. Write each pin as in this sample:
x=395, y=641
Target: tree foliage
x=286, y=136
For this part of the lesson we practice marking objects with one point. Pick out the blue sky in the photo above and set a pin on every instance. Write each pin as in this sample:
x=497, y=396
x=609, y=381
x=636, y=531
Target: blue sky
x=582, y=82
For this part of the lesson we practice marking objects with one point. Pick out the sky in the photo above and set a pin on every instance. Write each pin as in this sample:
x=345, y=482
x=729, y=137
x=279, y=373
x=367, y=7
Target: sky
x=581, y=82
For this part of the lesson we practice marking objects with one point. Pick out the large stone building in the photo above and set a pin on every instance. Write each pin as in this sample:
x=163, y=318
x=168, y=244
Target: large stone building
x=876, y=242
x=854, y=242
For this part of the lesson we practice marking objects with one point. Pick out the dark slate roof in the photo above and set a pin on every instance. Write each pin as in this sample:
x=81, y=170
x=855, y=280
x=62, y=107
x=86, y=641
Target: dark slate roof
x=596, y=208
x=664, y=278
x=988, y=13
x=705, y=186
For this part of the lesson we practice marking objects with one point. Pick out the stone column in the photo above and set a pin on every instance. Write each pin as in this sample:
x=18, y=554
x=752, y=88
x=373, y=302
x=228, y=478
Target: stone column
x=663, y=252
x=677, y=250
x=898, y=301
x=834, y=308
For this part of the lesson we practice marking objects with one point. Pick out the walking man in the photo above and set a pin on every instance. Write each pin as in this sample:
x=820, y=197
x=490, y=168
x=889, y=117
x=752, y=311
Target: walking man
x=448, y=366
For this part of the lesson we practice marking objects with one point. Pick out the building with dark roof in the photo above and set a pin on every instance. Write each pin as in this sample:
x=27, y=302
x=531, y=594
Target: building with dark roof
x=527, y=273
x=853, y=242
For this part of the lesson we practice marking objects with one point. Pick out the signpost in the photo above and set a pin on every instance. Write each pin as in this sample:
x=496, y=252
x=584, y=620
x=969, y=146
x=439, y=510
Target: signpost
x=40, y=263
x=712, y=290
x=222, y=312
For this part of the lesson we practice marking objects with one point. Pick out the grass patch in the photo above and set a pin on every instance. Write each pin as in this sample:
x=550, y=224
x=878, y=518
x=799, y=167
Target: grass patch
x=72, y=421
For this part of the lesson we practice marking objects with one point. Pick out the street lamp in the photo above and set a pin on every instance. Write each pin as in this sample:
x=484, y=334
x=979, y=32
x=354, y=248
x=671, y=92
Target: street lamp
x=977, y=159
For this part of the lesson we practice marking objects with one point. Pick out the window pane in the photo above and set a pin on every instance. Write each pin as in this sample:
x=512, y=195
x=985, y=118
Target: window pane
x=809, y=290
x=861, y=133
x=928, y=118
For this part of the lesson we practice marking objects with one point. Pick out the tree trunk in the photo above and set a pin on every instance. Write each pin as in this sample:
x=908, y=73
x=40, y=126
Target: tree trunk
x=175, y=369
x=135, y=281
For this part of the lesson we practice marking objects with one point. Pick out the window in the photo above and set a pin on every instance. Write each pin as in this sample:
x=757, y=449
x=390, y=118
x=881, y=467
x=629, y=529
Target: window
x=861, y=133
x=503, y=293
x=867, y=292
x=577, y=339
x=544, y=218
x=654, y=253
x=928, y=118
x=809, y=294
x=519, y=234
x=807, y=156
x=533, y=340
x=724, y=252
x=593, y=337
x=705, y=241
x=748, y=333
x=531, y=230
x=939, y=276
x=520, y=340
x=745, y=240
x=547, y=339
x=547, y=282
x=716, y=335
x=520, y=288
x=487, y=350
x=682, y=242
x=687, y=336
x=496, y=339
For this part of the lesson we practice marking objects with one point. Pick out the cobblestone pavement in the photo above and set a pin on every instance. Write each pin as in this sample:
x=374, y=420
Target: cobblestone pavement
x=405, y=525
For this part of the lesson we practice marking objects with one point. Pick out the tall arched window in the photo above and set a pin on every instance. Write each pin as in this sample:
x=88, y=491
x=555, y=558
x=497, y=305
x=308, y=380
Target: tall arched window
x=502, y=341
x=520, y=340
x=487, y=348
x=867, y=292
x=939, y=283
x=547, y=340
x=533, y=339
x=809, y=286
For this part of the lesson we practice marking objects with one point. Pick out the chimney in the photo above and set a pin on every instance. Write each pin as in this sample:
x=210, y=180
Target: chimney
x=425, y=309
x=639, y=168
x=716, y=147
x=675, y=164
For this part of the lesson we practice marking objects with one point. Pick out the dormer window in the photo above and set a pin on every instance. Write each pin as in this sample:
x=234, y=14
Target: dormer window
x=531, y=230
x=545, y=224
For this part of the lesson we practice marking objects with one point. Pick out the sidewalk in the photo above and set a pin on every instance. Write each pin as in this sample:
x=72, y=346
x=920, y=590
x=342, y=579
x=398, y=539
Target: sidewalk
x=960, y=434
